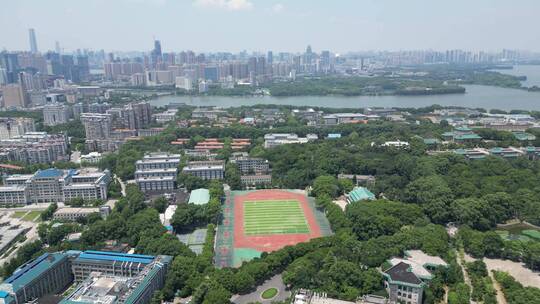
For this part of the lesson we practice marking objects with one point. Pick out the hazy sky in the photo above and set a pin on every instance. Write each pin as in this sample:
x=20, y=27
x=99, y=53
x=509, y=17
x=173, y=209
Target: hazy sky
x=258, y=25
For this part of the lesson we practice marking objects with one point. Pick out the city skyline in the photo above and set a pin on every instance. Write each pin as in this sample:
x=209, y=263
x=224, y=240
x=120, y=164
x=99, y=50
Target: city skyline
x=254, y=25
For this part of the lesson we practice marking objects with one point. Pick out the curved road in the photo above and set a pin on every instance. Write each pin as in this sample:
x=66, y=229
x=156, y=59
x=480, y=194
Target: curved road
x=254, y=297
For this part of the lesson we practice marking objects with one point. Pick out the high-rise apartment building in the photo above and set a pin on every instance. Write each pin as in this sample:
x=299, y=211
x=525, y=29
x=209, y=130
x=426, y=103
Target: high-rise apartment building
x=56, y=114
x=15, y=96
x=13, y=127
x=96, y=125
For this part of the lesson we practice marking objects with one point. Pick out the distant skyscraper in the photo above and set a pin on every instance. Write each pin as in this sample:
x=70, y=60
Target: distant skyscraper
x=270, y=57
x=156, y=53
x=57, y=47
x=10, y=62
x=33, y=42
x=309, y=55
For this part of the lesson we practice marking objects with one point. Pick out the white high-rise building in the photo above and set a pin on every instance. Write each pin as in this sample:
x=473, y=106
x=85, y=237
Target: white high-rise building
x=183, y=82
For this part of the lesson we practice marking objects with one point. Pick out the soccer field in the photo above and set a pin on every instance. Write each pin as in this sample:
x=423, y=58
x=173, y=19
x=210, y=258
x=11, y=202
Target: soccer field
x=274, y=217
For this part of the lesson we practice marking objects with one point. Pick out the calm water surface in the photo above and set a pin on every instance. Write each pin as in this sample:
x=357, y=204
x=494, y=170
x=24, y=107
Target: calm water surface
x=476, y=97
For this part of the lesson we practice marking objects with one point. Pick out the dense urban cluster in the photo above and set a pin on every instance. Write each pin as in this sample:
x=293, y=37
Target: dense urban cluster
x=107, y=198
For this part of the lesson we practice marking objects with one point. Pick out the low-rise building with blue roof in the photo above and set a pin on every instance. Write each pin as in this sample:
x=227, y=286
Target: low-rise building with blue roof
x=115, y=277
x=334, y=136
x=199, y=196
x=50, y=273
x=109, y=263
x=359, y=194
x=523, y=136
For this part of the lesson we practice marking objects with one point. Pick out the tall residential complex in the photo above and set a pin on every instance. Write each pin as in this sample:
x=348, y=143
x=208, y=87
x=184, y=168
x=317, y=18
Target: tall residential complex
x=106, y=132
x=15, y=95
x=56, y=114
x=96, y=125
x=35, y=148
x=17, y=126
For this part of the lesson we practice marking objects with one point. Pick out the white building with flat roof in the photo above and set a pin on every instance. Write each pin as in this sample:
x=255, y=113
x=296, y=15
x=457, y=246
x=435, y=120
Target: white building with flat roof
x=278, y=139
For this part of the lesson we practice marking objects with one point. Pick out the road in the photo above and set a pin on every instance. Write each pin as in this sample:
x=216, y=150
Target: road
x=255, y=297
x=122, y=185
x=461, y=263
x=501, y=299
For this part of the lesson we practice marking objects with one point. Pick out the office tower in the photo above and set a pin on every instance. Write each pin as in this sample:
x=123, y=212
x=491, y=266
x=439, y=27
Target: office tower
x=308, y=57
x=57, y=47
x=69, y=69
x=33, y=42
x=3, y=77
x=211, y=73
x=10, y=62
x=270, y=58
x=83, y=66
x=54, y=65
x=156, y=53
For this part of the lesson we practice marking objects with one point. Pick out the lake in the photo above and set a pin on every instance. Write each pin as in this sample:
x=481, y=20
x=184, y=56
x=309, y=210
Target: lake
x=531, y=71
x=476, y=97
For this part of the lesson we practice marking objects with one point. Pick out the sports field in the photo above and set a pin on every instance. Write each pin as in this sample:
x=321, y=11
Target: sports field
x=260, y=221
x=274, y=217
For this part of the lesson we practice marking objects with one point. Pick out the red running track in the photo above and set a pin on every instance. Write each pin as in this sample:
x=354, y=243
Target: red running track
x=272, y=242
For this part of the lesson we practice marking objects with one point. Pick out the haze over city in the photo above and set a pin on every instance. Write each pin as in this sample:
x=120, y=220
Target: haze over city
x=256, y=25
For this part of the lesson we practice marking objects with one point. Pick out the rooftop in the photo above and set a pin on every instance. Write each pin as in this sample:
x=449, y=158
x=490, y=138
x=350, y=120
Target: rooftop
x=419, y=257
x=49, y=173
x=199, y=196
x=359, y=194
x=115, y=256
x=402, y=272
x=29, y=271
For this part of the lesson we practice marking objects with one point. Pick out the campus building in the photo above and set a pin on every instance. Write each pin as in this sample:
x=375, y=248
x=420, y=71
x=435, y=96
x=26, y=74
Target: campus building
x=48, y=274
x=157, y=172
x=406, y=279
x=341, y=118
x=256, y=179
x=73, y=214
x=359, y=194
x=248, y=164
x=206, y=169
x=102, y=277
x=54, y=185
x=278, y=139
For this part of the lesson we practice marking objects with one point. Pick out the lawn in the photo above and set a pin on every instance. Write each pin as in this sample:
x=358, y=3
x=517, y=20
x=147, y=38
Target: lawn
x=269, y=293
x=274, y=217
x=532, y=234
x=18, y=214
x=32, y=215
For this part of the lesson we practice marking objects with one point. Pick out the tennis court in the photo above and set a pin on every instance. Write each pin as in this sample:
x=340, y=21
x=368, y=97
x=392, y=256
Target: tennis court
x=274, y=217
